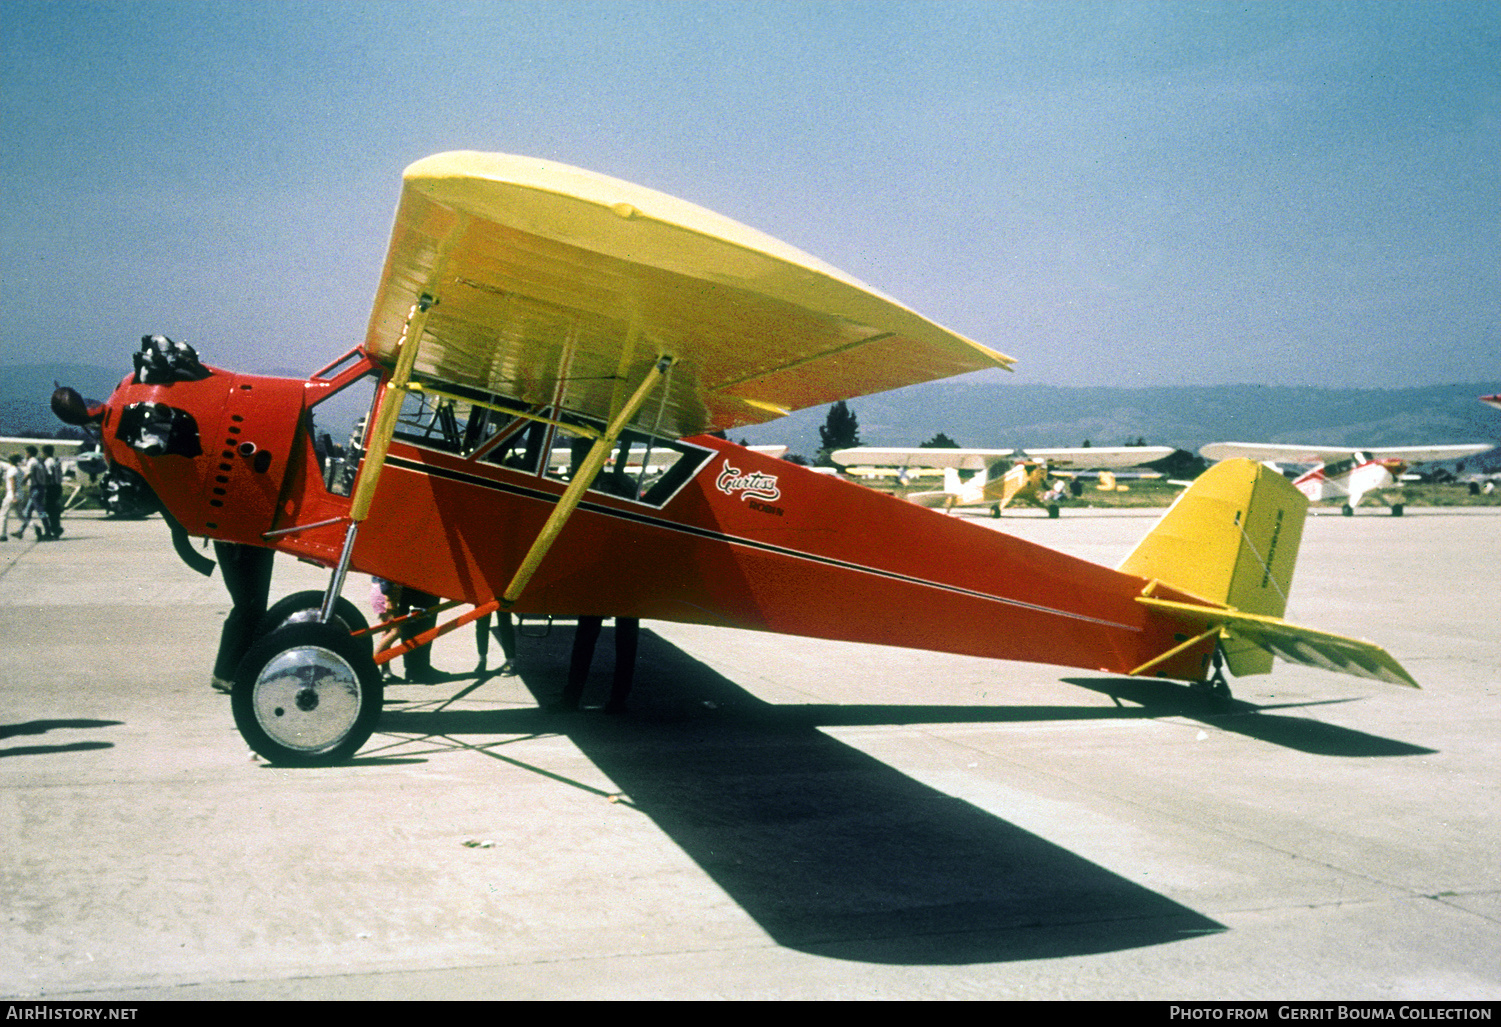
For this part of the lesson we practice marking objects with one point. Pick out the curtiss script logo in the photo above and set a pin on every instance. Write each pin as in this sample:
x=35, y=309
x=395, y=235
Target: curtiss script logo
x=754, y=485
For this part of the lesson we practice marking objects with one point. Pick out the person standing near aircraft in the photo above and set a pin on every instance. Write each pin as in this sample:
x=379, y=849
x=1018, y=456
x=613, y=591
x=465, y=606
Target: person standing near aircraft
x=505, y=632
x=35, y=480
x=417, y=663
x=384, y=595
x=627, y=635
x=12, y=477
x=246, y=572
x=52, y=492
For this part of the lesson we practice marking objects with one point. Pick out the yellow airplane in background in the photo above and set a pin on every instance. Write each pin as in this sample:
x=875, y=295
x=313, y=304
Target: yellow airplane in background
x=1010, y=475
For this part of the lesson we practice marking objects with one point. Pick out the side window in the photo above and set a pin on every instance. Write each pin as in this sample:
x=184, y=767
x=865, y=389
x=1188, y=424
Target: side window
x=336, y=424
x=517, y=445
x=432, y=421
x=640, y=467
x=464, y=421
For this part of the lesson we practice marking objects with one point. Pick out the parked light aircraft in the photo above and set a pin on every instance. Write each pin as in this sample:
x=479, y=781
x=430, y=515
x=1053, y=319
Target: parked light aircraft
x=1494, y=401
x=528, y=307
x=1007, y=475
x=1338, y=472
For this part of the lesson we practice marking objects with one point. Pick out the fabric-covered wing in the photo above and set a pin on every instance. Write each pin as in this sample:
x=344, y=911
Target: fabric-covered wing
x=559, y=286
x=1423, y=454
x=1263, y=451
x=1100, y=457
x=1296, y=454
x=961, y=459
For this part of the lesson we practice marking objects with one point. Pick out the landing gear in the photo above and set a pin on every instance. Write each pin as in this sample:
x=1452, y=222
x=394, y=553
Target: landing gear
x=1396, y=509
x=1053, y=511
x=303, y=608
x=307, y=695
x=995, y=511
x=1347, y=510
x=1215, y=687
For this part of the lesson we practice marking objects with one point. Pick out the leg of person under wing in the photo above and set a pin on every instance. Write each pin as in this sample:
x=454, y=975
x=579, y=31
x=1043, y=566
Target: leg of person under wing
x=247, y=577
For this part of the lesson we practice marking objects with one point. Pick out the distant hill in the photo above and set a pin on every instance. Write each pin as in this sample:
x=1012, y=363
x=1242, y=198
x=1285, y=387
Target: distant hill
x=978, y=412
x=988, y=410
x=26, y=393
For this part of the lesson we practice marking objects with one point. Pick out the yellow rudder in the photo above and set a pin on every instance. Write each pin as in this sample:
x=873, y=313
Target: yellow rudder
x=1231, y=539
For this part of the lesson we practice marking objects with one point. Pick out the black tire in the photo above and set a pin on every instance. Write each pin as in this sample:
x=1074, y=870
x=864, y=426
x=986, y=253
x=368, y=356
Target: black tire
x=1053, y=511
x=307, y=695
x=1347, y=510
x=1397, y=509
x=995, y=511
x=303, y=608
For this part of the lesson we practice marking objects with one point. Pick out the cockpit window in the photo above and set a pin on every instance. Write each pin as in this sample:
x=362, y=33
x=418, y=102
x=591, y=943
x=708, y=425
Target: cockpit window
x=336, y=424
x=456, y=419
x=496, y=430
x=640, y=467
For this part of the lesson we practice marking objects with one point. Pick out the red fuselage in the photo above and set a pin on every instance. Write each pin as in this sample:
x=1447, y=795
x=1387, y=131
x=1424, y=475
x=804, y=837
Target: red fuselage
x=744, y=540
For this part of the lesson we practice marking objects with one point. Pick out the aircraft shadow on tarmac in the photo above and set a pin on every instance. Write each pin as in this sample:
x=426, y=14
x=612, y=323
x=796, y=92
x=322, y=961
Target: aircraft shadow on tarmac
x=38, y=727
x=831, y=851
x=1166, y=699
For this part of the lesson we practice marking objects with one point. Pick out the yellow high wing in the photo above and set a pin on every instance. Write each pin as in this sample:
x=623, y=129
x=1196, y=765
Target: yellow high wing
x=562, y=287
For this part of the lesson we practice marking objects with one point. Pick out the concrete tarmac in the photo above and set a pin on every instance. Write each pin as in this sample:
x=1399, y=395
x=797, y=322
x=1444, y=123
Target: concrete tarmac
x=775, y=817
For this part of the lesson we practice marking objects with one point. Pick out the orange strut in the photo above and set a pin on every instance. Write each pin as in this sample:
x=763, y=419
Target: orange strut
x=428, y=636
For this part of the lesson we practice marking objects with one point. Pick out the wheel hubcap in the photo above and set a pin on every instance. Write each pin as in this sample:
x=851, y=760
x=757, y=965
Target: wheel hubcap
x=308, y=699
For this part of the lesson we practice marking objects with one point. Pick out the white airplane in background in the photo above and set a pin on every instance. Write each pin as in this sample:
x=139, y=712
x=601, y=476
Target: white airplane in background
x=1340, y=472
x=1494, y=401
x=1009, y=474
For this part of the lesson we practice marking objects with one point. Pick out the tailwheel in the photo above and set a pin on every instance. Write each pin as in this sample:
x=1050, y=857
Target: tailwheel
x=307, y=695
x=1215, y=687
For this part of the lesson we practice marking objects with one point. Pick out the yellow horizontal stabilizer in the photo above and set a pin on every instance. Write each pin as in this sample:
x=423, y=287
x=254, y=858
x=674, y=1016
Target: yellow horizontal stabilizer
x=556, y=285
x=1293, y=643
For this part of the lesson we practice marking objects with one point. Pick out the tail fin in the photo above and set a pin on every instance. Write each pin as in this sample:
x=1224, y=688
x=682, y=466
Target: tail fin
x=1231, y=540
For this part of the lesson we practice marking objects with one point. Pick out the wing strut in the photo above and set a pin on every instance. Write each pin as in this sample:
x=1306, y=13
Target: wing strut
x=581, y=481
x=380, y=442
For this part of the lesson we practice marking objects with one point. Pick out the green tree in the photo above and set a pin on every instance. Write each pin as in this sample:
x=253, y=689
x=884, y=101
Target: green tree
x=841, y=430
x=940, y=441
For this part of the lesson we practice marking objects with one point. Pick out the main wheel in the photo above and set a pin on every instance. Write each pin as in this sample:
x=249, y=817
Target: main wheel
x=304, y=607
x=307, y=695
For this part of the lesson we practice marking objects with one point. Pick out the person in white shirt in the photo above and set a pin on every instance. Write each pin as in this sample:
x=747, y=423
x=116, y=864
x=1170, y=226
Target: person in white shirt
x=12, y=483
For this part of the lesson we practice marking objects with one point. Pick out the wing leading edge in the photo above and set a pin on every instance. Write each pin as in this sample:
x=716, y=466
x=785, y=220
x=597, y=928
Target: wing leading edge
x=1327, y=454
x=559, y=286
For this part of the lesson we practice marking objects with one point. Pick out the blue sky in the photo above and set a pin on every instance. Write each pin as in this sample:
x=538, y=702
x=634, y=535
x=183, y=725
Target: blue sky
x=1134, y=194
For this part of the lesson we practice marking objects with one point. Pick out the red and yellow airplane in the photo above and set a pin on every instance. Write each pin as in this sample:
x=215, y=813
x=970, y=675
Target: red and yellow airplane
x=528, y=308
x=1339, y=472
